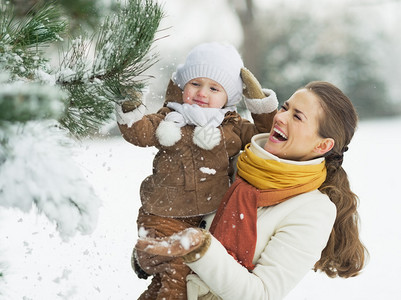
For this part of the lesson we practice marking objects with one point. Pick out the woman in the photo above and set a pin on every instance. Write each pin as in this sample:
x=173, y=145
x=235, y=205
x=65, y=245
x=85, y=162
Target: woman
x=290, y=209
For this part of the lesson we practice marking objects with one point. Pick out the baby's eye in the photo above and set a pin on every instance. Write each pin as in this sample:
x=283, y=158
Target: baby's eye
x=194, y=83
x=214, y=89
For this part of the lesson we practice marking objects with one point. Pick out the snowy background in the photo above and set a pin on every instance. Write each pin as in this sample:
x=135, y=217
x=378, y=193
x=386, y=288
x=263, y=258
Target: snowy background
x=41, y=265
x=97, y=266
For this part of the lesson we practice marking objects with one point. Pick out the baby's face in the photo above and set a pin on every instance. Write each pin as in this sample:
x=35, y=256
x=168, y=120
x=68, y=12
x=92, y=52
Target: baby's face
x=204, y=92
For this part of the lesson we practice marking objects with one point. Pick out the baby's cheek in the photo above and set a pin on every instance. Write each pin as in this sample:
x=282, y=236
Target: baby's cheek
x=186, y=99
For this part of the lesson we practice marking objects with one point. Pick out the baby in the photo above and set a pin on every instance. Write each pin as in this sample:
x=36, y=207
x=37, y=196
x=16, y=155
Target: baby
x=197, y=133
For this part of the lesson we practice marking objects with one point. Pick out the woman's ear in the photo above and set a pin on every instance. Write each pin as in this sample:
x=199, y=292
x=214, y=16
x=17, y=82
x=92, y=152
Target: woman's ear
x=324, y=146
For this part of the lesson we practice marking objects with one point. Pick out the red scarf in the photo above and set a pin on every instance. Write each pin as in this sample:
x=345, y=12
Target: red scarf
x=235, y=222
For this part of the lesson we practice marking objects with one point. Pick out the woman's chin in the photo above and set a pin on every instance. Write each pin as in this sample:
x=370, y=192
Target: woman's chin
x=271, y=148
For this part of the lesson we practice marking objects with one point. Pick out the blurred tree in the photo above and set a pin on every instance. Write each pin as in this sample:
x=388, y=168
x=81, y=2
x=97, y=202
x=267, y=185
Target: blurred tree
x=81, y=14
x=253, y=36
x=287, y=47
x=22, y=7
x=44, y=109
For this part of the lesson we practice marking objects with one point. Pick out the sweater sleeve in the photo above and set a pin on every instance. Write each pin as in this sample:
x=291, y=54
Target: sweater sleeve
x=142, y=133
x=263, y=110
x=241, y=133
x=288, y=255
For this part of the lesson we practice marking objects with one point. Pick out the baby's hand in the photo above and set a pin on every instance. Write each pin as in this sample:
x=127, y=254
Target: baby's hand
x=253, y=89
x=130, y=105
x=257, y=99
x=177, y=245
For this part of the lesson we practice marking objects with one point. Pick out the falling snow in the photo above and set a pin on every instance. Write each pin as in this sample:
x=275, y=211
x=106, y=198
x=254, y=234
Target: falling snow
x=206, y=170
x=97, y=266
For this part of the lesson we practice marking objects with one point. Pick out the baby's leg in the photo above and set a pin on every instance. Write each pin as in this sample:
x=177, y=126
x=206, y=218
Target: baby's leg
x=171, y=282
x=153, y=289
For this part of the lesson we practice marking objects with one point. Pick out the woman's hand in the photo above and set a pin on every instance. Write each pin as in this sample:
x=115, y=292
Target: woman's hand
x=190, y=244
x=177, y=245
x=145, y=264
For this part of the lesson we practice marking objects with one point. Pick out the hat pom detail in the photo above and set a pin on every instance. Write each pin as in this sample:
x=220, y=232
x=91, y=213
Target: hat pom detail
x=168, y=133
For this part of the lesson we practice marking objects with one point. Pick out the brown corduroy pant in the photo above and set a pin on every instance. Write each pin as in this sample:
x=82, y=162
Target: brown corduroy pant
x=169, y=284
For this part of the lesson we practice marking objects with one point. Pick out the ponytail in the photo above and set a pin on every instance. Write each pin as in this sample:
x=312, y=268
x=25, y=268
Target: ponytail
x=344, y=254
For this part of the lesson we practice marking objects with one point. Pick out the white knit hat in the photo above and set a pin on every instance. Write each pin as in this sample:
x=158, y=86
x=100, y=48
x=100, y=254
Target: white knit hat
x=219, y=62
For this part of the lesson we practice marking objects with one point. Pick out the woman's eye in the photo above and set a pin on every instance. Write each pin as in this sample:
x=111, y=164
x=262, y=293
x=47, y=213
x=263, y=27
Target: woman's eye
x=297, y=117
x=282, y=107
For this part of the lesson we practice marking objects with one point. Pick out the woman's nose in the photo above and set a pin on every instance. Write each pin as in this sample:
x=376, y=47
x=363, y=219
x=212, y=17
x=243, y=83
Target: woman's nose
x=281, y=117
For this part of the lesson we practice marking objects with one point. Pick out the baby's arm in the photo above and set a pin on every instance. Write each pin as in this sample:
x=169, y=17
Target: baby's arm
x=261, y=110
x=262, y=103
x=140, y=132
x=140, y=129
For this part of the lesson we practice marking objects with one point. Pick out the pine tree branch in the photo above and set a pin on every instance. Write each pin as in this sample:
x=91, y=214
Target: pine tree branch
x=121, y=56
x=40, y=26
x=23, y=101
x=93, y=86
x=23, y=57
x=22, y=96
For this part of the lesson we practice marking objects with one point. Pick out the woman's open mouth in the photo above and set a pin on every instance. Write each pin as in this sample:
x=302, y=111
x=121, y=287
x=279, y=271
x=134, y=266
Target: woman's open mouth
x=278, y=135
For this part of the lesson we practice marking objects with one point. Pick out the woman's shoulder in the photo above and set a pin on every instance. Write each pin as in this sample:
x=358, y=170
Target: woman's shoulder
x=312, y=198
x=314, y=195
x=313, y=206
x=314, y=201
x=309, y=216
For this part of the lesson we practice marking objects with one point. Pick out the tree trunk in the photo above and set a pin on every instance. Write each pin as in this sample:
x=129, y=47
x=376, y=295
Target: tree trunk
x=253, y=37
x=22, y=7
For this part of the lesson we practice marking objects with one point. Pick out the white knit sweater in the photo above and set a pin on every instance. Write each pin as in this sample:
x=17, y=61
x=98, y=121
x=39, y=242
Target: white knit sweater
x=290, y=239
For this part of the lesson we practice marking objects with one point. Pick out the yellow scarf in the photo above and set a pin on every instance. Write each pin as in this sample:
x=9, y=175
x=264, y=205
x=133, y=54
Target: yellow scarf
x=268, y=182
x=268, y=174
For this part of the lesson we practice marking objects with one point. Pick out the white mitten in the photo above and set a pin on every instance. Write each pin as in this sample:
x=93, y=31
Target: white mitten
x=257, y=99
x=129, y=118
x=264, y=105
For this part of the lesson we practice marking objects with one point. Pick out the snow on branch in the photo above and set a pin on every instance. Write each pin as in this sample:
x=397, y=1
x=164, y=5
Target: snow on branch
x=115, y=74
x=37, y=168
x=43, y=108
x=22, y=101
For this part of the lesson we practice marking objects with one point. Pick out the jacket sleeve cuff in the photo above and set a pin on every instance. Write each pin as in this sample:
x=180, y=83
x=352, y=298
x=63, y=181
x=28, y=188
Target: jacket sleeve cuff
x=131, y=117
x=264, y=105
x=201, y=250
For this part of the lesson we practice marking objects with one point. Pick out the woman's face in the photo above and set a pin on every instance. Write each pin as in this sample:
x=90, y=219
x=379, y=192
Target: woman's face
x=204, y=92
x=294, y=133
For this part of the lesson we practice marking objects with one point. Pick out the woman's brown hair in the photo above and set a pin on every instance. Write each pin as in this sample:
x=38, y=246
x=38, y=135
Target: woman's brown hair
x=344, y=254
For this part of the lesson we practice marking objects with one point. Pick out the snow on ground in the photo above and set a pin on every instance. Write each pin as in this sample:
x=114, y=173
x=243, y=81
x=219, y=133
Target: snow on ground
x=97, y=266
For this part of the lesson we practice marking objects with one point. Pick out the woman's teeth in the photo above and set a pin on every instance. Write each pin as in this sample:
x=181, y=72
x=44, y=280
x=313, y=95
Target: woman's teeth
x=280, y=135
